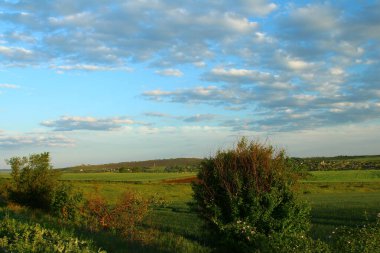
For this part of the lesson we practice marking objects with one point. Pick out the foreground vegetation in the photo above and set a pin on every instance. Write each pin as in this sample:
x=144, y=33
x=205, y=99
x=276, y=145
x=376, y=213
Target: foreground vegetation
x=16, y=236
x=341, y=204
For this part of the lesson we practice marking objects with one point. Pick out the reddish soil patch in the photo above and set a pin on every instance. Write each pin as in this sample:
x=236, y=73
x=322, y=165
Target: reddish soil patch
x=186, y=180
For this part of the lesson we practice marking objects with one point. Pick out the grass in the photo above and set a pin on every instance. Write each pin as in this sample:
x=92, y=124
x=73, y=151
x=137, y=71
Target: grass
x=124, y=177
x=344, y=176
x=337, y=198
x=330, y=210
x=333, y=204
x=362, y=176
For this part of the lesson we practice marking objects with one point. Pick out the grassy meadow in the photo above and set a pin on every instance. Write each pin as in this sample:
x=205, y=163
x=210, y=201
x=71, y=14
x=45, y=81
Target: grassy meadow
x=337, y=198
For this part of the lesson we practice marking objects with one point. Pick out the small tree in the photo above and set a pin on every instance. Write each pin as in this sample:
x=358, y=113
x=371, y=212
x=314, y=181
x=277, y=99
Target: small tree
x=245, y=196
x=33, y=180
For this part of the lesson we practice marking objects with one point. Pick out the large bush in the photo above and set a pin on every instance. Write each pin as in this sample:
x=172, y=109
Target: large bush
x=245, y=196
x=33, y=180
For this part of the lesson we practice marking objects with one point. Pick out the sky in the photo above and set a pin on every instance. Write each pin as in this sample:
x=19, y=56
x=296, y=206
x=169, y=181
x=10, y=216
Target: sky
x=108, y=80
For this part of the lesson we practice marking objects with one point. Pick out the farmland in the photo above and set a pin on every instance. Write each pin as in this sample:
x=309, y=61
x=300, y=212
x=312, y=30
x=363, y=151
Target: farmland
x=337, y=198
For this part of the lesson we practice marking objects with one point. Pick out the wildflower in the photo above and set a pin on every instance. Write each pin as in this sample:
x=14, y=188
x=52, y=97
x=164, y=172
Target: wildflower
x=378, y=215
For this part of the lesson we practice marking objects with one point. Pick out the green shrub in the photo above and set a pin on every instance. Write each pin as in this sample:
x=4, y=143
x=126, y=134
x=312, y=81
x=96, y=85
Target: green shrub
x=33, y=180
x=245, y=196
x=65, y=203
x=5, y=187
x=363, y=239
x=27, y=238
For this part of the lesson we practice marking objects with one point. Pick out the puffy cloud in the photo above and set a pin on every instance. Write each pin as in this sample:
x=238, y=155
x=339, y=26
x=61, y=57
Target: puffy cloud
x=73, y=123
x=87, y=67
x=188, y=119
x=16, y=55
x=157, y=114
x=311, y=21
x=170, y=72
x=281, y=108
x=209, y=95
x=200, y=118
x=240, y=76
x=117, y=32
x=286, y=69
x=34, y=139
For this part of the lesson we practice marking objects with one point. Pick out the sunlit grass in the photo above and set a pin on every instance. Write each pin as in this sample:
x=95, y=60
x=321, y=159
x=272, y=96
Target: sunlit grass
x=344, y=176
x=336, y=199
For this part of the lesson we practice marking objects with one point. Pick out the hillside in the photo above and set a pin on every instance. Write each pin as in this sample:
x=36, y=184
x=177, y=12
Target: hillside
x=187, y=164
x=368, y=162
x=192, y=164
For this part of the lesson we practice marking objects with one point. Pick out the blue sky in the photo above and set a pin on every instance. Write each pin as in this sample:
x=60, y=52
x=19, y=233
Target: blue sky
x=106, y=81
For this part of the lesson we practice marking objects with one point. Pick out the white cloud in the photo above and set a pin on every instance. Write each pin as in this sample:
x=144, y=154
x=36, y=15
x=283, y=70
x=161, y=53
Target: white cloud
x=170, y=72
x=297, y=64
x=76, y=19
x=200, y=64
x=337, y=71
x=87, y=67
x=8, y=86
x=117, y=33
x=11, y=51
x=200, y=118
x=307, y=58
x=16, y=55
x=34, y=139
x=235, y=75
x=259, y=7
x=74, y=123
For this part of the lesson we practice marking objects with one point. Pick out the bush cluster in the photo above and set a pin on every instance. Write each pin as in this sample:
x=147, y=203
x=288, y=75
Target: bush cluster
x=363, y=239
x=21, y=237
x=33, y=180
x=245, y=196
x=36, y=184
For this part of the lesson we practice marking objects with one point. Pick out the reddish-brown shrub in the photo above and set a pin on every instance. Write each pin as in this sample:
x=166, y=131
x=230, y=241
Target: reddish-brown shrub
x=122, y=217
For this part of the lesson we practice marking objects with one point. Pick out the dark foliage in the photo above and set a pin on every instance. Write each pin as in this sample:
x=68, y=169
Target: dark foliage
x=33, y=180
x=245, y=196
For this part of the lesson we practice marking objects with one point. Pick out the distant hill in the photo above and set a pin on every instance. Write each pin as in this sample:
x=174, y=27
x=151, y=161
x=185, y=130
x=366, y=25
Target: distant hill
x=192, y=164
x=146, y=166
x=364, y=162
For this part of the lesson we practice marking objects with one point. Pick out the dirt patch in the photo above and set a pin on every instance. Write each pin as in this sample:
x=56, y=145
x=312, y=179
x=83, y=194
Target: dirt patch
x=186, y=180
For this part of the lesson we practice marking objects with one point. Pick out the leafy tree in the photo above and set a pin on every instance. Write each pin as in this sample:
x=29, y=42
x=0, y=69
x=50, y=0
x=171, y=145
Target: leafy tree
x=33, y=180
x=245, y=196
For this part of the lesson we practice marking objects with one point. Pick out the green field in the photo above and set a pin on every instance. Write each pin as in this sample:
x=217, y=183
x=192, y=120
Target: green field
x=344, y=176
x=125, y=177
x=336, y=197
x=119, y=177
